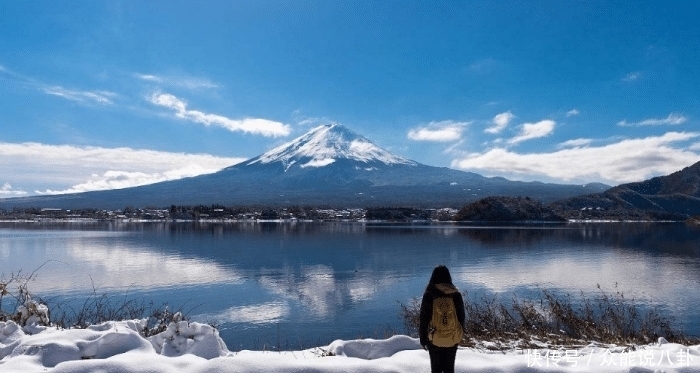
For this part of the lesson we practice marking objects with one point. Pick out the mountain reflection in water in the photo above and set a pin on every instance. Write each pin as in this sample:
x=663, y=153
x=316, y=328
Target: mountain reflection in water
x=315, y=282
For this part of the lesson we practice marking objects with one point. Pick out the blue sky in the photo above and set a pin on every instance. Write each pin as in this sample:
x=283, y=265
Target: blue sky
x=97, y=95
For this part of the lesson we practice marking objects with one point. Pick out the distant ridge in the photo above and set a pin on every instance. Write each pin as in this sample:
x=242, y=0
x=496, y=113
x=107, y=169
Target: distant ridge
x=675, y=196
x=328, y=166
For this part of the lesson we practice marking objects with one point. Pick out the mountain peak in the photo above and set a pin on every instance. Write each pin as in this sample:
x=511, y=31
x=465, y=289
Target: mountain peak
x=326, y=144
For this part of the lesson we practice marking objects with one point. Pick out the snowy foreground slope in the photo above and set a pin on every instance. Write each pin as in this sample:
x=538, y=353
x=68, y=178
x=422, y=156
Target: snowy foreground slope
x=194, y=347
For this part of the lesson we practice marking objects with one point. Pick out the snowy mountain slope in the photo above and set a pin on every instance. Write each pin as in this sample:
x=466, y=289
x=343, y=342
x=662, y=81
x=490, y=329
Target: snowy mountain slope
x=330, y=165
x=324, y=145
x=334, y=155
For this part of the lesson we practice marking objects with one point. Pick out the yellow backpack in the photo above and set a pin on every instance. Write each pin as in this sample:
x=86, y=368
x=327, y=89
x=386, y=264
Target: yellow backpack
x=445, y=329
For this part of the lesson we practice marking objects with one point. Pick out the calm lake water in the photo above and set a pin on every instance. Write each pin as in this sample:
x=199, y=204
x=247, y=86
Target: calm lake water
x=307, y=284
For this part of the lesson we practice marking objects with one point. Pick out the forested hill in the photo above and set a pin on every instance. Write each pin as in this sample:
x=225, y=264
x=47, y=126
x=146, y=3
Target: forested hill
x=672, y=197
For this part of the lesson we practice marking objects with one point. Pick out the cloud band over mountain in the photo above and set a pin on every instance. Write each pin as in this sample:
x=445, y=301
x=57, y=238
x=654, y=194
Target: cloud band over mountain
x=69, y=169
x=624, y=161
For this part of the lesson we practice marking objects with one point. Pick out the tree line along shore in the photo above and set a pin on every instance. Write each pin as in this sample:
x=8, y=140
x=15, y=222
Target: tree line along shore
x=489, y=209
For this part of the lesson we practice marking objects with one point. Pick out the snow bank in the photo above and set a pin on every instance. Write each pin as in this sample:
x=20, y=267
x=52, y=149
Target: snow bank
x=370, y=349
x=193, y=347
x=33, y=315
x=50, y=347
x=182, y=338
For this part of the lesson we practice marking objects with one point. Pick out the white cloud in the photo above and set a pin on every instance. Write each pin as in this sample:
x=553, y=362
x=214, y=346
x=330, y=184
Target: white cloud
x=632, y=76
x=444, y=131
x=624, y=161
x=249, y=125
x=572, y=112
x=638, y=278
x=312, y=122
x=67, y=168
x=112, y=268
x=125, y=179
x=531, y=131
x=149, y=78
x=316, y=288
x=195, y=83
x=574, y=143
x=484, y=66
x=7, y=191
x=306, y=121
x=256, y=314
x=100, y=97
x=695, y=146
x=454, y=148
x=500, y=121
x=671, y=119
x=97, y=96
x=179, y=81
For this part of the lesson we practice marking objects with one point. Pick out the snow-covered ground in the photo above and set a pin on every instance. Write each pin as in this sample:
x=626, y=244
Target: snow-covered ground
x=195, y=347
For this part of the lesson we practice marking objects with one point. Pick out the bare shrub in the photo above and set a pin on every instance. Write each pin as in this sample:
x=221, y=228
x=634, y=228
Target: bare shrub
x=557, y=320
x=18, y=304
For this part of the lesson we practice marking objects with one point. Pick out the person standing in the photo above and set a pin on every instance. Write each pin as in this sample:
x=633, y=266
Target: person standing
x=441, y=321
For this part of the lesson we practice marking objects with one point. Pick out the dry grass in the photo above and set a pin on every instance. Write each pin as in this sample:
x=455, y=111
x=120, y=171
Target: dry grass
x=557, y=320
x=95, y=309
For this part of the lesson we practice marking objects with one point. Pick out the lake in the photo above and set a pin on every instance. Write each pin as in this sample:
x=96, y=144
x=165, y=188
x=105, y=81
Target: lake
x=303, y=284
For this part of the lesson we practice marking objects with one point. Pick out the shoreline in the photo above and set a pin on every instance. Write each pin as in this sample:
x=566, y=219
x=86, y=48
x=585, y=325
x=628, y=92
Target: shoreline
x=359, y=221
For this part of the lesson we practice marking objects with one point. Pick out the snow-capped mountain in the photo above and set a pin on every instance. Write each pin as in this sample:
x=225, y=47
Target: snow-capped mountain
x=324, y=145
x=330, y=166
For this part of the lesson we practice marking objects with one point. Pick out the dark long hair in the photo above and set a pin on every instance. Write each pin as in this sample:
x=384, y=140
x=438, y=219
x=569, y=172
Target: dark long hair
x=441, y=275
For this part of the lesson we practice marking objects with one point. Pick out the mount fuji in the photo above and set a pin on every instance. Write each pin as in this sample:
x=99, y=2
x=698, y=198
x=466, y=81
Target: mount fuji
x=328, y=166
